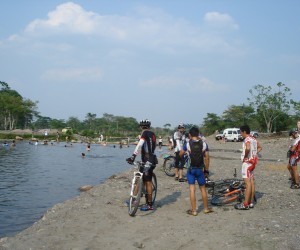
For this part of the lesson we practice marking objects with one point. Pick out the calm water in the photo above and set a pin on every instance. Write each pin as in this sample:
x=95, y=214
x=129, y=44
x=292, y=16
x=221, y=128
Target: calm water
x=34, y=178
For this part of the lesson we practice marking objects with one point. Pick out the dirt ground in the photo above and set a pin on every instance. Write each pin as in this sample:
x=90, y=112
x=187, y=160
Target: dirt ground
x=98, y=218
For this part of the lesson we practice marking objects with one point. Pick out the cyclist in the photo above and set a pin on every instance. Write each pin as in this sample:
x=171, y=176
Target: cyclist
x=199, y=157
x=294, y=153
x=178, y=140
x=160, y=142
x=147, y=144
x=249, y=157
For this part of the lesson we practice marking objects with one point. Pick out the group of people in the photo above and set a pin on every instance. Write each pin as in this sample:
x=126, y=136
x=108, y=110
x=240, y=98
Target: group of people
x=5, y=144
x=193, y=144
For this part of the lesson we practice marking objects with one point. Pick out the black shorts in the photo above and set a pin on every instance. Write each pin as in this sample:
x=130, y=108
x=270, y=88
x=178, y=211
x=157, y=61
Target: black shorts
x=179, y=161
x=147, y=176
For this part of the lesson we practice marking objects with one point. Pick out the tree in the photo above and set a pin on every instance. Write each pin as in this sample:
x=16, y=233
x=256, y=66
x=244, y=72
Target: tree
x=74, y=123
x=270, y=104
x=167, y=126
x=90, y=120
x=4, y=85
x=14, y=109
x=212, y=122
x=235, y=116
x=42, y=122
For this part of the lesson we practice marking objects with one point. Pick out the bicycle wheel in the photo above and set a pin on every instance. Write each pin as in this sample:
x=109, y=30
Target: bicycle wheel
x=169, y=166
x=154, y=188
x=220, y=200
x=134, y=200
x=224, y=186
x=219, y=188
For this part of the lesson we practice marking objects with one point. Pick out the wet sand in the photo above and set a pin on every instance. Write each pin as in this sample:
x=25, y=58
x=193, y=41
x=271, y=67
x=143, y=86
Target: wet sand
x=98, y=218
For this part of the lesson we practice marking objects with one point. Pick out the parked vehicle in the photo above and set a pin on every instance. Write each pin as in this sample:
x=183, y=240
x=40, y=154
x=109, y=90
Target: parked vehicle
x=254, y=133
x=232, y=134
x=219, y=136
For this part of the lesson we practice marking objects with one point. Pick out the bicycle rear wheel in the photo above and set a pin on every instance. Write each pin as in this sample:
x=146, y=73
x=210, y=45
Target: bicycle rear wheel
x=220, y=200
x=134, y=199
x=169, y=166
x=154, y=188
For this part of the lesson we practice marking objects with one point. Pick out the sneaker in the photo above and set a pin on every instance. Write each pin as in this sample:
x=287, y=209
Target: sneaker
x=241, y=206
x=251, y=205
x=150, y=207
x=295, y=186
x=146, y=207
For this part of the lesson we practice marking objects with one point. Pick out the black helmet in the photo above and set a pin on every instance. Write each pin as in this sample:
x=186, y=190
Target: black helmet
x=145, y=123
x=181, y=125
x=293, y=131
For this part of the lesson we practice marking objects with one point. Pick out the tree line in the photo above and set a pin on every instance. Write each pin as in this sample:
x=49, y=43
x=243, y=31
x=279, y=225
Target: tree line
x=267, y=109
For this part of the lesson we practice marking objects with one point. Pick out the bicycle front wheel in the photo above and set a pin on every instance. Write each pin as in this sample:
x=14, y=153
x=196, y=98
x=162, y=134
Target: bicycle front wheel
x=169, y=166
x=154, y=188
x=134, y=199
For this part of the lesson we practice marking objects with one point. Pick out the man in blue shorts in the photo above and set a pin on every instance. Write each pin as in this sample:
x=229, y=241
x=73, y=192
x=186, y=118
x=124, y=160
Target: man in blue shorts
x=199, y=157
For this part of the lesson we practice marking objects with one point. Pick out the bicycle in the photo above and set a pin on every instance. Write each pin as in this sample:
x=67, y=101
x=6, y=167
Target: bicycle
x=138, y=188
x=169, y=164
x=227, y=190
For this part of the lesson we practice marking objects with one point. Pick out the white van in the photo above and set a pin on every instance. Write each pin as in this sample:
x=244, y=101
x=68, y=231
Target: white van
x=232, y=134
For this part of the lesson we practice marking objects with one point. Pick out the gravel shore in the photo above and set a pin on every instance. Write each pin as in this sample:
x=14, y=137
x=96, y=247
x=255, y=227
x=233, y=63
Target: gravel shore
x=98, y=218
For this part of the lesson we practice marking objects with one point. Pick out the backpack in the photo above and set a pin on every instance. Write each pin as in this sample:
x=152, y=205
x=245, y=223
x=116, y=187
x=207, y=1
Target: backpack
x=196, y=153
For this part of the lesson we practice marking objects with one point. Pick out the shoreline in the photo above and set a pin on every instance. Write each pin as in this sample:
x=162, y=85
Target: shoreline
x=98, y=218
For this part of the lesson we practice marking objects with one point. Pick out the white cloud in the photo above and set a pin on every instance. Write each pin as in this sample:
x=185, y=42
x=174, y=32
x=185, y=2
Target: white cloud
x=220, y=20
x=73, y=75
x=190, y=83
x=66, y=17
x=146, y=28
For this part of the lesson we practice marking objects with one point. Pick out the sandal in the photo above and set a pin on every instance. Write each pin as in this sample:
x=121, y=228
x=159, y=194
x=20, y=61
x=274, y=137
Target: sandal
x=191, y=212
x=176, y=178
x=181, y=180
x=207, y=211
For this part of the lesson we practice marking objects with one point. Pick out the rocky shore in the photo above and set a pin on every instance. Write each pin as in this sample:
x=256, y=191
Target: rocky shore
x=98, y=218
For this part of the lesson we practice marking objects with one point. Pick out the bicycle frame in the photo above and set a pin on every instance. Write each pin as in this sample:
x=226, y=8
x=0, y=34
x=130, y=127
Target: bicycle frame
x=138, y=188
x=136, y=174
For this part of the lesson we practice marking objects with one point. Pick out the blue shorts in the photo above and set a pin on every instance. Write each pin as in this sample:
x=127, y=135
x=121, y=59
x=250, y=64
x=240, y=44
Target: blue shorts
x=196, y=174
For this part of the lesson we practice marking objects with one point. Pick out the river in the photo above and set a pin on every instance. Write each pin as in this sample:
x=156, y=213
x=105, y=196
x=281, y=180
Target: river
x=33, y=178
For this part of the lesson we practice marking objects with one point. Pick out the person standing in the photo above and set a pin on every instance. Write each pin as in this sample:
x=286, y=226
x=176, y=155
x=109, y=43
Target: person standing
x=45, y=134
x=160, y=142
x=294, y=153
x=178, y=140
x=147, y=145
x=249, y=157
x=199, y=164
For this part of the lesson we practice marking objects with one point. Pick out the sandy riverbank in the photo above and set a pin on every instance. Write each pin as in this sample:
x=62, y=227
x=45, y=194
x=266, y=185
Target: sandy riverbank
x=98, y=219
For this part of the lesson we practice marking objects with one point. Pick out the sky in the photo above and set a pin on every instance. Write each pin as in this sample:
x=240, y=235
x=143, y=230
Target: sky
x=169, y=61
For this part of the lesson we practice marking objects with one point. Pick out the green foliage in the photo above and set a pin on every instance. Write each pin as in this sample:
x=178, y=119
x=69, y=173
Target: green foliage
x=212, y=122
x=269, y=109
x=14, y=110
x=88, y=133
x=270, y=104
